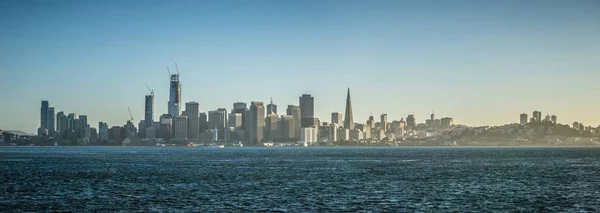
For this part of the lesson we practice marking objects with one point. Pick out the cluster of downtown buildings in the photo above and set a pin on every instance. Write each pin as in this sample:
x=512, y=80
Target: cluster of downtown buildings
x=252, y=124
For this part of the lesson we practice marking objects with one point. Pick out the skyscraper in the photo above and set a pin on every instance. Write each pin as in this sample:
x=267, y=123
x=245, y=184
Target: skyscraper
x=149, y=110
x=271, y=108
x=44, y=115
x=192, y=111
x=203, y=122
x=336, y=118
x=235, y=120
x=50, y=121
x=272, y=130
x=240, y=107
x=307, y=107
x=62, y=125
x=294, y=111
x=217, y=119
x=348, y=120
x=174, y=95
x=166, y=125
x=255, y=123
x=180, y=128
x=287, y=125
x=411, y=122
x=384, y=122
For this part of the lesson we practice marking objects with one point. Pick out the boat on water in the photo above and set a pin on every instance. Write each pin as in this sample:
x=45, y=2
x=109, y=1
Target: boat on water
x=55, y=143
x=220, y=146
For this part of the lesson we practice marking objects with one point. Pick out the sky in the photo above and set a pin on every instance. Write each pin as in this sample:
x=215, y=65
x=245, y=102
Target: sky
x=480, y=62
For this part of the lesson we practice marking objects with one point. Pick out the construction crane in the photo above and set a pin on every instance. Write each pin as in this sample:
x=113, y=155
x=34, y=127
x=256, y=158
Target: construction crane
x=151, y=90
x=177, y=68
x=130, y=116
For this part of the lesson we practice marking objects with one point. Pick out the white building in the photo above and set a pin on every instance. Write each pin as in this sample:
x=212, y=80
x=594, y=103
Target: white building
x=308, y=135
x=344, y=134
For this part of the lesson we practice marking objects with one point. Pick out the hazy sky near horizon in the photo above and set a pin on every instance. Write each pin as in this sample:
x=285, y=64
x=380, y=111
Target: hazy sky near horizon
x=481, y=62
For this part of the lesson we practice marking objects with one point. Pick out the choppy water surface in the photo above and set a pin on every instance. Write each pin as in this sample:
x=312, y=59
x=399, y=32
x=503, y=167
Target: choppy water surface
x=299, y=179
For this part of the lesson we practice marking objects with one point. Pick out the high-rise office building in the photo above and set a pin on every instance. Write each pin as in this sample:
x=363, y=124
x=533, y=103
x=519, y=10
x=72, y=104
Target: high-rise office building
x=411, y=122
x=50, y=121
x=523, y=118
x=240, y=107
x=553, y=119
x=287, y=124
x=70, y=119
x=84, y=120
x=271, y=108
x=349, y=120
x=336, y=118
x=62, y=124
x=174, y=95
x=44, y=115
x=102, y=132
x=294, y=111
x=180, y=128
x=192, y=111
x=333, y=133
x=307, y=107
x=235, y=120
x=166, y=125
x=149, y=109
x=255, y=123
x=217, y=119
x=272, y=130
x=384, y=122
x=203, y=122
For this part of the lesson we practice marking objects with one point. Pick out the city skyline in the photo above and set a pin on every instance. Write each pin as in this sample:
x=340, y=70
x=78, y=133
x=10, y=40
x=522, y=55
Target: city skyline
x=398, y=57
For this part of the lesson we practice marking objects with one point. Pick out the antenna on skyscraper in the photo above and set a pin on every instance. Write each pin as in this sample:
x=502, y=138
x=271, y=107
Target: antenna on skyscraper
x=271, y=100
x=177, y=68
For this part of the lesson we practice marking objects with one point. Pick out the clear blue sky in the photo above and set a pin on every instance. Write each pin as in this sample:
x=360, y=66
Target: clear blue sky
x=481, y=62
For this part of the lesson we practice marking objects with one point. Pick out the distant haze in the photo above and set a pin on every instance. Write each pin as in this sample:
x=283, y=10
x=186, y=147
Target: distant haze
x=480, y=62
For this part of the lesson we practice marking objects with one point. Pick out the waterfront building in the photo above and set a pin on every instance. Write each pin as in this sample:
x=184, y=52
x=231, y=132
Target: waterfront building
x=62, y=124
x=217, y=119
x=166, y=125
x=308, y=135
x=180, y=128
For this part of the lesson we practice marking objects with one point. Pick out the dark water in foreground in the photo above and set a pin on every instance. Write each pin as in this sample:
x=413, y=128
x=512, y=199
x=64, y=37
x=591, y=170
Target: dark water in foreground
x=299, y=179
